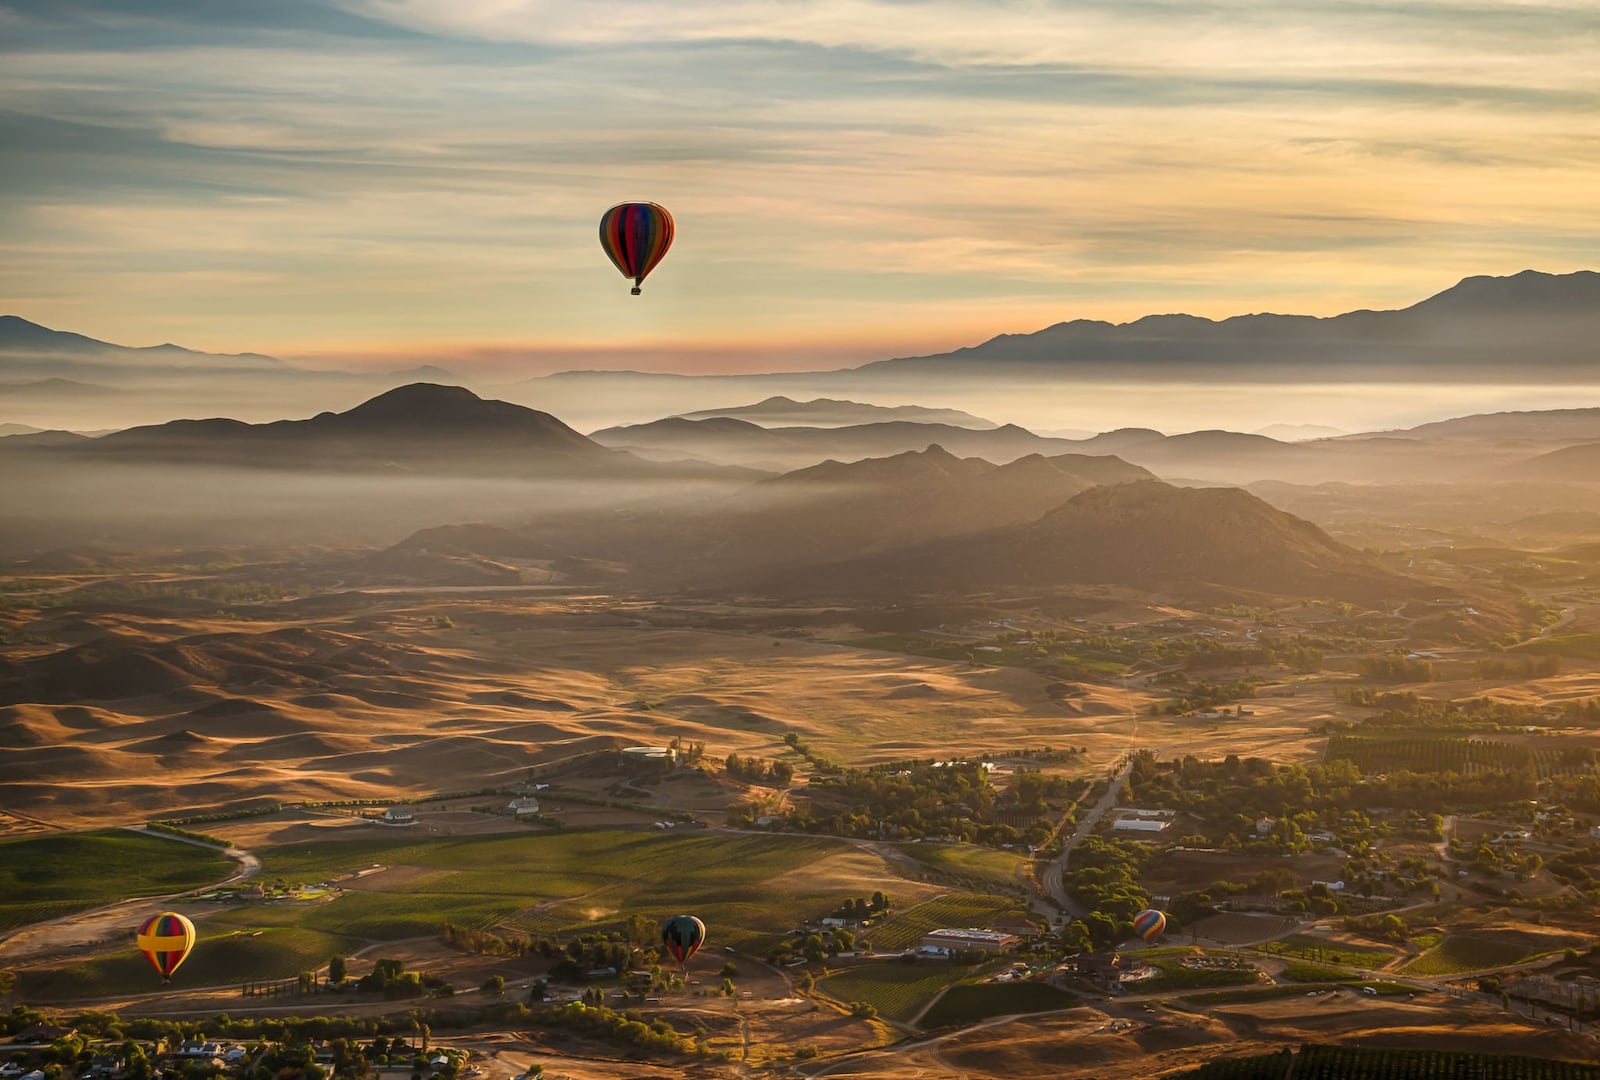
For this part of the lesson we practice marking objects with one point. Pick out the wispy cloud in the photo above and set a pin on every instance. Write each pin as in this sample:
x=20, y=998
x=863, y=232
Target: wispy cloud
x=318, y=175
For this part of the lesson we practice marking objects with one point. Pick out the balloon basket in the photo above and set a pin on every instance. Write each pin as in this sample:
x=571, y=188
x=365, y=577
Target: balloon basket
x=635, y=290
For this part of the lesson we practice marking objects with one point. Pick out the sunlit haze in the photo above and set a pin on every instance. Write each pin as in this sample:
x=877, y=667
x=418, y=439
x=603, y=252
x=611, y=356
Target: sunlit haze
x=851, y=178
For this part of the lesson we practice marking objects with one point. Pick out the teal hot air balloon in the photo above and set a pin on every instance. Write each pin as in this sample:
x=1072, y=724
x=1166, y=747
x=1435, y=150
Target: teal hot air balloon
x=683, y=935
x=636, y=236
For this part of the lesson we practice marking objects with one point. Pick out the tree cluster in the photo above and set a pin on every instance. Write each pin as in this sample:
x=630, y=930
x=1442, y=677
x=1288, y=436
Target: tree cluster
x=756, y=770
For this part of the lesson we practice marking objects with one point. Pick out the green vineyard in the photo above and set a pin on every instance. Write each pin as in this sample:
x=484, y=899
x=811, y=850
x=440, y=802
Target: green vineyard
x=1378, y=754
x=957, y=910
x=1459, y=953
x=1362, y=1063
x=897, y=991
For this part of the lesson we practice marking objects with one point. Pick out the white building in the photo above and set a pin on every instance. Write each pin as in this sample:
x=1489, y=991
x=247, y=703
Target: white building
x=399, y=815
x=527, y=806
x=948, y=942
x=1145, y=825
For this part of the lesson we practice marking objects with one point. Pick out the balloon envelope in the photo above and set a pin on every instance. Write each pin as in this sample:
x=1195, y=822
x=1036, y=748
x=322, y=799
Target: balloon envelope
x=165, y=940
x=1148, y=923
x=683, y=935
x=636, y=236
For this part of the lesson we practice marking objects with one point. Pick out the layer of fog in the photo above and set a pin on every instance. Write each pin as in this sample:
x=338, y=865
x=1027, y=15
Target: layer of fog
x=589, y=401
x=134, y=507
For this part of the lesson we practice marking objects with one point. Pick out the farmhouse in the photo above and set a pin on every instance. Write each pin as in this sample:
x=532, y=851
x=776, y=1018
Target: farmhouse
x=399, y=815
x=1015, y=924
x=648, y=757
x=948, y=942
x=527, y=806
x=1103, y=967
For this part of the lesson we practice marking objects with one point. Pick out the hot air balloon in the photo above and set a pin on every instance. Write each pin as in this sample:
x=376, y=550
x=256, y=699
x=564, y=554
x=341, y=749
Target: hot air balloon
x=165, y=940
x=683, y=935
x=1148, y=923
x=636, y=235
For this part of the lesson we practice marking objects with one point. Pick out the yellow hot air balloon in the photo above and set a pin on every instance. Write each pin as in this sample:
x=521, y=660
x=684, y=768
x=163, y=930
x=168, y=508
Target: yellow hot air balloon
x=165, y=940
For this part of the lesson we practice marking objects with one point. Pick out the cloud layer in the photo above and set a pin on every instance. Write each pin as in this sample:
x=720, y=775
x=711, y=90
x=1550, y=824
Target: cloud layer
x=345, y=176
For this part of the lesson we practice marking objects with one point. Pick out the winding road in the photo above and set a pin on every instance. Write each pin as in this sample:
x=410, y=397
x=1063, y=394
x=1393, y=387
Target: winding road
x=83, y=928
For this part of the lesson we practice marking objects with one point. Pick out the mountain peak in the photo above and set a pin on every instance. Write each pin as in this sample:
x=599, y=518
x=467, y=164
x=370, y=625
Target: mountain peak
x=1530, y=291
x=414, y=400
x=18, y=333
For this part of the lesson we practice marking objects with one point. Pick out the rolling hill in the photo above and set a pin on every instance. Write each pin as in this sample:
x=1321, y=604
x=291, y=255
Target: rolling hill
x=422, y=427
x=1144, y=534
x=1580, y=464
x=825, y=513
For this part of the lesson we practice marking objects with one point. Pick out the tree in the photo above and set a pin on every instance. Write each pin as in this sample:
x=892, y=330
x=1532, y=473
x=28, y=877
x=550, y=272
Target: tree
x=336, y=969
x=641, y=930
x=727, y=987
x=537, y=989
x=495, y=984
x=138, y=1067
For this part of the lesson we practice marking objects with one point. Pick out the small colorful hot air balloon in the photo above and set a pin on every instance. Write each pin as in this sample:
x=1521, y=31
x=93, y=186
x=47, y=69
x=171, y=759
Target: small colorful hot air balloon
x=636, y=235
x=683, y=935
x=165, y=940
x=1148, y=923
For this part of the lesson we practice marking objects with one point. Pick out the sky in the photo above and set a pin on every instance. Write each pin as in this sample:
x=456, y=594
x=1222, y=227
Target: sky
x=351, y=182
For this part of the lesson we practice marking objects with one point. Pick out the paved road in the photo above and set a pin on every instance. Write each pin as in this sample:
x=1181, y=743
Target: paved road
x=1054, y=887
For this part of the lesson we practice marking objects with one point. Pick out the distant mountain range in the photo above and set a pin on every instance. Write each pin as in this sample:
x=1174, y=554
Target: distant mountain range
x=779, y=411
x=731, y=441
x=426, y=427
x=42, y=367
x=1529, y=319
x=21, y=341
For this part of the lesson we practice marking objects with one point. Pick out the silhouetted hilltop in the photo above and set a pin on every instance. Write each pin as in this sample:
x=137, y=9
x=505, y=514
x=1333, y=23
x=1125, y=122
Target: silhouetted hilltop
x=420, y=427
x=1144, y=534
x=835, y=510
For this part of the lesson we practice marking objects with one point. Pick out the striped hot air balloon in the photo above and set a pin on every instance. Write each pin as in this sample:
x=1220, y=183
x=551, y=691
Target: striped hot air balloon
x=1148, y=923
x=165, y=940
x=636, y=235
